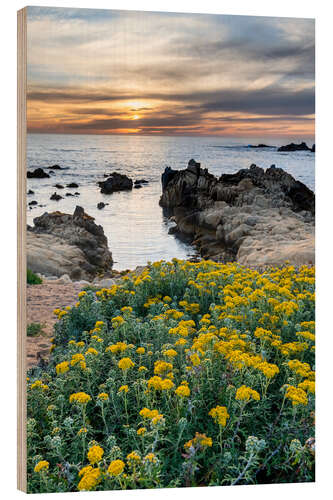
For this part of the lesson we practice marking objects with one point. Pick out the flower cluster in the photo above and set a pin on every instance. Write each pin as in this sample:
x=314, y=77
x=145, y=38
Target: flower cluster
x=189, y=373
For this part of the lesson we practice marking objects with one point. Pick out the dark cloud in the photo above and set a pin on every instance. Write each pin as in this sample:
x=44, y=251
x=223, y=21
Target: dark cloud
x=271, y=100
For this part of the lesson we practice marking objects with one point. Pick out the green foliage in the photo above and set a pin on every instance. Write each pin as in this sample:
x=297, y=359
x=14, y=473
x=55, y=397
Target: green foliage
x=33, y=279
x=187, y=375
x=35, y=329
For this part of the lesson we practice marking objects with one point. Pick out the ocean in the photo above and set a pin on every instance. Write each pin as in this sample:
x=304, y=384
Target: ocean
x=133, y=221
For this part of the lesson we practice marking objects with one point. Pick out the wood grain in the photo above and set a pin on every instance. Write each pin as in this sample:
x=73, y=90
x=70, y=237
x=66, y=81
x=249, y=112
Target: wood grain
x=21, y=248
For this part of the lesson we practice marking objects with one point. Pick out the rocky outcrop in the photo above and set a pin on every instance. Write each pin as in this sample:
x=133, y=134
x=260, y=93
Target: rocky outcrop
x=295, y=147
x=256, y=217
x=55, y=167
x=259, y=146
x=38, y=173
x=56, y=197
x=116, y=182
x=67, y=244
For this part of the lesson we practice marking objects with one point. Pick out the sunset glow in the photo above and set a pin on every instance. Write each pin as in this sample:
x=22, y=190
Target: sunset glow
x=97, y=72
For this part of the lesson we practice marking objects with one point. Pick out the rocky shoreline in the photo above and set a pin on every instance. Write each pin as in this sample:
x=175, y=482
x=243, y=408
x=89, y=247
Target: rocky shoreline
x=255, y=217
x=61, y=244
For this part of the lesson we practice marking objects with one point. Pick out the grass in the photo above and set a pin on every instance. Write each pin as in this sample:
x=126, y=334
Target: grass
x=33, y=279
x=35, y=329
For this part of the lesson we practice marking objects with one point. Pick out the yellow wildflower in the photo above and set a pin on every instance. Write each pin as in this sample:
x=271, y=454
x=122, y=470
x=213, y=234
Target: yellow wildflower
x=42, y=466
x=116, y=467
x=95, y=454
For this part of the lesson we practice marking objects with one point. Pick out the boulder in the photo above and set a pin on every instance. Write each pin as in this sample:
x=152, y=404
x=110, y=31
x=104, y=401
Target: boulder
x=72, y=185
x=313, y=149
x=68, y=244
x=59, y=186
x=116, y=182
x=104, y=283
x=255, y=216
x=295, y=147
x=55, y=167
x=31, y=192
x=56, y=197
x=101, y=205
x=38, y=173
x=259, y=146
x=69, y=194
x=141, y=181
x=33, y=202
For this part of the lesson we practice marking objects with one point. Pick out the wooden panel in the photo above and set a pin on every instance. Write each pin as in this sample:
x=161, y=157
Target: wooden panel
x=21, y=249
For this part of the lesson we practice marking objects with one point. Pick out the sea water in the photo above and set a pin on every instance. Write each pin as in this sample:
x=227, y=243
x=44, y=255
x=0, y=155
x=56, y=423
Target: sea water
x=134, y=223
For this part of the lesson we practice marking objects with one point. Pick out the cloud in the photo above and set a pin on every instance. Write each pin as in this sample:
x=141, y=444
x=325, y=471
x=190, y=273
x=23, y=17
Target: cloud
x=200, y=67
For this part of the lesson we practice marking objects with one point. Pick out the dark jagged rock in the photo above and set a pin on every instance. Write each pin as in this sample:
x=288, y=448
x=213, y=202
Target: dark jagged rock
x=259, y=146
x=167, y=176
x=68, y=244
x=31, y=192
x=137, y=186
x=33, y=202
x=116, y=182
x=72, y=185
x=59, y=186
x=55, y=167
x=56, y=197
x=101, y=205
x=313, y=149
x=295, y=147
x=77, y=193
x=253, y=216
x=140, y=181
x=69, y=194
x=38, y=173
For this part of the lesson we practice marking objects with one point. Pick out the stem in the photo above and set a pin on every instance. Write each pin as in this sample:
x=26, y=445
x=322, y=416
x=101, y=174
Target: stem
x=239, y=421
x=103, y=417
x=242, y=474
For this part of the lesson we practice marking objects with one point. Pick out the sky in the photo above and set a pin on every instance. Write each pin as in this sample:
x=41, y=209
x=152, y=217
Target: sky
x=150, y=73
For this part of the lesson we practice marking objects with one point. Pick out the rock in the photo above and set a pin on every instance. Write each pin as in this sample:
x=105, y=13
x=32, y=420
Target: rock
x=313, y=149
x=61, y=244
x=30, y=192
x=104, y=283
x=38, y=173
x=83, y=283
x=76, y=193
x=101, y=205
x=259, y=146
x=141, y=181
x=72, y=185
x=56, y=197
x=33, y=202
x=116, y=182
x=59, y=186
x=137, y=186
x=69, y=194
x=167, y=176
x=295, y=147
x=55, y=167
x=254, y=216
x=65, y=279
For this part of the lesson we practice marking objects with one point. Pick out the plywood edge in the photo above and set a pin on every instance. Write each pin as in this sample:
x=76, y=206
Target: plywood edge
x=21, y=248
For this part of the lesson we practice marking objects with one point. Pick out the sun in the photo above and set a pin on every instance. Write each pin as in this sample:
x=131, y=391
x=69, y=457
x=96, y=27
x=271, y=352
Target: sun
x=136, y=117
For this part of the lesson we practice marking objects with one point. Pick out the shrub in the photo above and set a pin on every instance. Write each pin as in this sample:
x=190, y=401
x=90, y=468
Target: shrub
x=32, y=278
x=35, y=329
x=191, y=374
